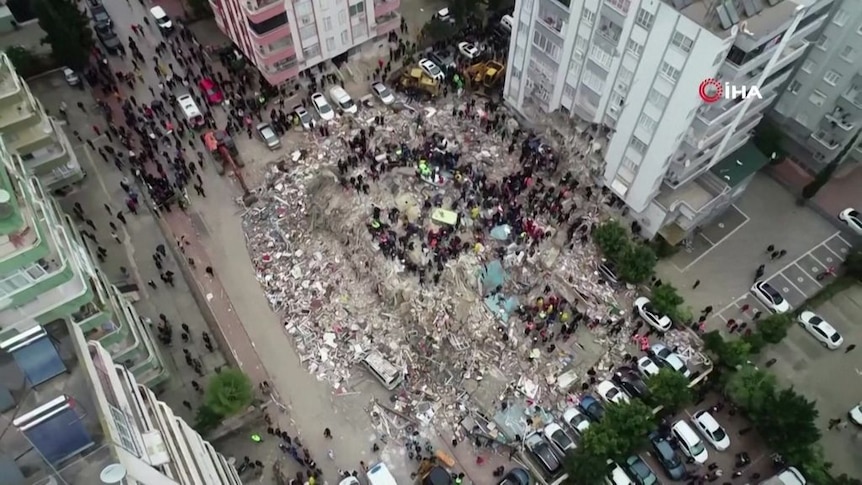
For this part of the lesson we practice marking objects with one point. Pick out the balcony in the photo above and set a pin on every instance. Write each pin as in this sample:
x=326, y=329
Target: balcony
x=555, y=24
x=388, y=23
x=277, y=75
x=384, y=7
x=261, y=10
x=824, y=140
x=276, y=52
x=791, y=54
x=839, y=119
x=271, y=36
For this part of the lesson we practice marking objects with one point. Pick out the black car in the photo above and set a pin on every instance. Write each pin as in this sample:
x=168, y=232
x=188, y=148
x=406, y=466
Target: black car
x=516, y=476
x=541, y=453
x=592, y=408
x=630, y=382
x=108, y=38
x=667, y=457
x=100, y=15
x=640, y=471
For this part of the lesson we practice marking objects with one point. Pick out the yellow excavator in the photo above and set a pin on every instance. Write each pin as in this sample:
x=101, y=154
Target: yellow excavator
x=485, y=77
x=414, y=78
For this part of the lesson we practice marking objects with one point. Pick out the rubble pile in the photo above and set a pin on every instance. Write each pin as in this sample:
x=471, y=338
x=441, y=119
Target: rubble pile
x=321, y=268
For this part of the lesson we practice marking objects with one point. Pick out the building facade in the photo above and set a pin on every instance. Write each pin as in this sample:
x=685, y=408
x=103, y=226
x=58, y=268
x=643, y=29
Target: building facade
x=821, y=109
x=633, y=68
x=28, y=131
x=283, y=38
x=77, y=362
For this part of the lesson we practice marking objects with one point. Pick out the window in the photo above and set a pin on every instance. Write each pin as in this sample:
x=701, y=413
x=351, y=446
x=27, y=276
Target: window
x=307, y=31
x=330, y=44
x=588, y=16
x=545, y=45
x=625, y=75
x=342, y=18
x=794, y=87
x=629, y=164
x=610, y=30
x=593, y=81
x=802, y=118
x=638, y=145
x=647, y=123
x=357, y=9
x=569, y=91
x=35, y=271
x=306, y=19
x=644, y=19
x=634, y=48
x=822, y=42
x=621, y=5
x=848, y=53
x=808, y=66
x=817, y=98
x=832, y=78
x=344, y=38
x=616, y=103
x=671, y=73
x=311, y=51
x=581, y=44
x=601, y=57
x=681, y=41
x=327, y=23
x=656, y=98
x=840, y=17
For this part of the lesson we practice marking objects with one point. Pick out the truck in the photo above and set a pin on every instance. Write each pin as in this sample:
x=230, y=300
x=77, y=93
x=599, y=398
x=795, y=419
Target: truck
x=788, y=476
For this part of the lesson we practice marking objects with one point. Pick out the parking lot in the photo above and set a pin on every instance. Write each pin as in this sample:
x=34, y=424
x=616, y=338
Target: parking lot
x=797, y=281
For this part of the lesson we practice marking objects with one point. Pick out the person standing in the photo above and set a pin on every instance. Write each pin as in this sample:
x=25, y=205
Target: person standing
x=849, y=348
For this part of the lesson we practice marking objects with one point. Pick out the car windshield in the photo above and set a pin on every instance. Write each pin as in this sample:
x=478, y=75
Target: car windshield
x=102, y=29
x=612, y=393
x=383, y=91
x=562, y=439
x=855, y=214
x=835, y=337
x=815, y=320
x=597, y=410
x=577, y=420
x=433, y=69
x=347, y=104
x=697, y=449
x=323, y=107
x=267, y=132
x=718, y=433
x=667, y=454
x=548, y=459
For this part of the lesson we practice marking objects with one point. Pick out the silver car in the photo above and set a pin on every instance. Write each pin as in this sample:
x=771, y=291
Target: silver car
x=267, y=134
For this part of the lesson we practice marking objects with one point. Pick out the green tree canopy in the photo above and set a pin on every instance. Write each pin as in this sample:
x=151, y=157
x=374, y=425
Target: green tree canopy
x=853, y=263
x=67, y=31
x=206, y=419
x=787, y=422
x=625, y=427
x=637, y=263
x=437, y=30
x=228, y=392
x=669, y=389
x=751, y=388
x=463, y=10
x=611, y=238
x=774, y=327
x=666, y=300
x=585, y=466
x=25, y=61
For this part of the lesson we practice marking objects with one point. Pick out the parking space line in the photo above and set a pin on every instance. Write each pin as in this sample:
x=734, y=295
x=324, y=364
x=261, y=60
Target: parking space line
x=789, y=280
x=715, y=244
x=840, y=257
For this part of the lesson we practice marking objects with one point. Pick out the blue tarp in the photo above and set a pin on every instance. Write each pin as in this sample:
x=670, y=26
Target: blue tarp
x=492, y=276
x=501, y=233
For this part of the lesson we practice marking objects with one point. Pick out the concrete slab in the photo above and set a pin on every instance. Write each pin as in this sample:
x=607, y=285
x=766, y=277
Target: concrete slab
x=696, y=249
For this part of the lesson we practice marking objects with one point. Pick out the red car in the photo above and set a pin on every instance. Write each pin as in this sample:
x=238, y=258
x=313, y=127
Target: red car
x=211, y=91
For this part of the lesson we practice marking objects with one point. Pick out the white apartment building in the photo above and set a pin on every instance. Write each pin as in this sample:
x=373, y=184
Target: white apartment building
x=635, y=67
x=29, y=132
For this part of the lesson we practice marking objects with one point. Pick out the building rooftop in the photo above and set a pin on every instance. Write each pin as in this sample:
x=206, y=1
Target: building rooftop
x=740, y=164
x=755, y=18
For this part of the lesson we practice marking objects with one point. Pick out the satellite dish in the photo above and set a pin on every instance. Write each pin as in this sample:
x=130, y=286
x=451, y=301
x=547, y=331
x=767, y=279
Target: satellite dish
x=113, y=473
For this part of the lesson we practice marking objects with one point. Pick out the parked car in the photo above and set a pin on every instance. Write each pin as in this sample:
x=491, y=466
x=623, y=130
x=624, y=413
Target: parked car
x=647, y=366
x=821, y=330
x=611, y=393
x=383, y=93
x=576, y=420
x=640, y=471
x=668, y=358
x=211, y=91
x=100, y=15
x=558, y=437
x=444, y=15
x=305, y=118
x=770, y=297
x=268, y=135
x=656, y=320
x=541, y=452
x=853, y=219
x=515, y=476
x=71, y=77
x=855, y=414
x=592, y=408
x=162, y=19
x=711, y=430
x=324, y=110
x=631, y=383
x=667, y=456
x=468, y=50
x=432, y=70
x=108, y=38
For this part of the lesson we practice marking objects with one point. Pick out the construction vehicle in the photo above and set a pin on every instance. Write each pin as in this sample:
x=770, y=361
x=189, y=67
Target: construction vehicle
x=414, y=79
x=485, y=77
x=432, y=472
x=225, y=155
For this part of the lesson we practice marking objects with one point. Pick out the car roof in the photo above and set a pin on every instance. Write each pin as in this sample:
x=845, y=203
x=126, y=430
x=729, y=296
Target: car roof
x=825, y=326
x=207, y=80
x=158, y=11
x=706, y=419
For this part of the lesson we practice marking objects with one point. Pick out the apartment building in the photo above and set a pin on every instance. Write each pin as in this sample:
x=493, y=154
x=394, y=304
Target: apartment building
x=77, y=362
x=635, y=67
x=821, y=109
x=29, y=132
x=282, y=38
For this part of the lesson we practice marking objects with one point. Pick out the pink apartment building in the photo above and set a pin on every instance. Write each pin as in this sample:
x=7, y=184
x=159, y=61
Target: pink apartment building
x=284, y=37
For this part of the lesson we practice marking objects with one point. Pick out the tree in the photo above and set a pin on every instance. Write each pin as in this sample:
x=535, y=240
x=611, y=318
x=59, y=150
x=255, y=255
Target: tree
x=228, y=392
x=437, y=30
x=67, y=31
x=853, y=263
x=584, y=466
x=825, y=173
x=786, y=423
x=637, y=263
x=25, y=61
x=611, y=238
x=669, y=389
x=625, y=427
x=463, y=10
x=751, y=388
x=666, y=300
x=774, y=328
x=206, y=419
x=755, y=342
x=767, y=139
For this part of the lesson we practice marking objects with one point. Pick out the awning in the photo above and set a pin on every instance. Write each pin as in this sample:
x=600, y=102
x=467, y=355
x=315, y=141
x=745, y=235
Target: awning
x=740, y=165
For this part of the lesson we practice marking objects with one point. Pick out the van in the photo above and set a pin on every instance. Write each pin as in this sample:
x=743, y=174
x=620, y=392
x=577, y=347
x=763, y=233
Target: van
x=508, y=22
x=162, y=19
x=340, y=98
x=616, y=475
x=689, y=442
x=385, y=372
x=190, y=111
x=380, y=475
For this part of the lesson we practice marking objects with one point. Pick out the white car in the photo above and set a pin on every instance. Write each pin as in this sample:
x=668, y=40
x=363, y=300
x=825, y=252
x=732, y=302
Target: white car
x=71, y=77
x=431, y=69
x=383, y=93
x=661, y=323
x=468, y=50
x=853, y=219
x=559, y=438
x=668, y=358
x=611, y=393
x=324, y=110
x=647, y=366
x=770, y=297
x=576, y=420
x=711, y=430
x=821, y=330
x=856, y=414
x=304, y=116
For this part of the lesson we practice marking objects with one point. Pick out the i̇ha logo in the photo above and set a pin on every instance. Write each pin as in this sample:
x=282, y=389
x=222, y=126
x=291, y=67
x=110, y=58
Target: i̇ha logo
x=711, y=90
